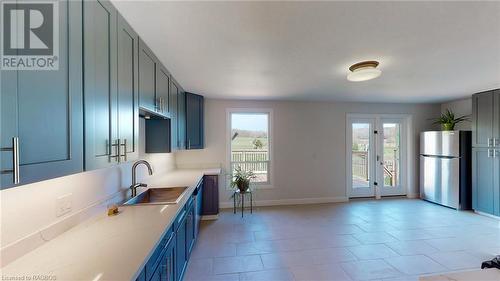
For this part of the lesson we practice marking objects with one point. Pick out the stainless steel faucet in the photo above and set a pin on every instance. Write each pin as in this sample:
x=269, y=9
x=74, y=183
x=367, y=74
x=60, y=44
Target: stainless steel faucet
x=135, y=184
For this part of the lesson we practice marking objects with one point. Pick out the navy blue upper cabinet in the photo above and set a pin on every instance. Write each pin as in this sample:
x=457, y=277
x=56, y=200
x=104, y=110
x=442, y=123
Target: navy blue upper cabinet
x=100, y=76
x=128, y=91
x=174, y=97
x=43, y=109
x=147, y=77
x=111, y=88
x=181, y=119
x=162, y=90
x=194, y=121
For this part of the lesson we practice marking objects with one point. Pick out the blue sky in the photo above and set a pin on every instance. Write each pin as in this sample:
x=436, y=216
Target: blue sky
x=249, y=121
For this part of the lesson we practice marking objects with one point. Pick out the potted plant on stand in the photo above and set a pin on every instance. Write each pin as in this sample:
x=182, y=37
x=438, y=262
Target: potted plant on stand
x=447, y=120
x=240, y=182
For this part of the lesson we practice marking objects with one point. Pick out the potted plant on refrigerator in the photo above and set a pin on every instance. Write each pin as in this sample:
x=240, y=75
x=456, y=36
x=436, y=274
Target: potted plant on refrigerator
x=447, y=120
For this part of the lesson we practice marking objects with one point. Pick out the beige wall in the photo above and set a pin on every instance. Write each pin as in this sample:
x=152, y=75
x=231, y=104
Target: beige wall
x=460, y=107
x=308, y=145
x=29, y=212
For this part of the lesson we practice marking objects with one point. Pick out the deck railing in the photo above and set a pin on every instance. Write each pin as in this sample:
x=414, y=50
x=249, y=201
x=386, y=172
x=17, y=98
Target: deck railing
x=360, y=167
x=255, y=160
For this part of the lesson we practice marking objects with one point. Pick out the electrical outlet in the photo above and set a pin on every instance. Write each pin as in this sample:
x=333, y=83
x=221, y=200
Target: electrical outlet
x=63, y=204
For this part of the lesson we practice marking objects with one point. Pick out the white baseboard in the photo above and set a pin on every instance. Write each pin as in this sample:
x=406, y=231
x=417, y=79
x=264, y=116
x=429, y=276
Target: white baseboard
x=209, y=218
x=487, y=215
x=413, y=195
x=280, y=202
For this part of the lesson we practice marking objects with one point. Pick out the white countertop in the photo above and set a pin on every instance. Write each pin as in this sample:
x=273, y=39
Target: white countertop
x=108, y=248
x=491, y=274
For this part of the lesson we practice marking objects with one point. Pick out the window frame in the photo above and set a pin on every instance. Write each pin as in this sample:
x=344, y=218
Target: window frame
x=269, y=112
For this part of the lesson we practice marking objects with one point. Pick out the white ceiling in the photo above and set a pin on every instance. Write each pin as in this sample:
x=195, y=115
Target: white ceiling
x=428, y=51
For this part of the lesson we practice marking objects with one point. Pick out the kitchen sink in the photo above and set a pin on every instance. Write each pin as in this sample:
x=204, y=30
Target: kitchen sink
x=158, y=196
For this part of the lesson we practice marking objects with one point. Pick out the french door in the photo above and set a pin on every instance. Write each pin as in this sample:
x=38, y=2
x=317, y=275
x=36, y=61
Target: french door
x=376, y=155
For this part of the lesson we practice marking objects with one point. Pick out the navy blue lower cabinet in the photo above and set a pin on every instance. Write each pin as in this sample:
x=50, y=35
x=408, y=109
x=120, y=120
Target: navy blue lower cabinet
x=190, y=229
x=169, y=259
x=199, y=208
x=181, y=253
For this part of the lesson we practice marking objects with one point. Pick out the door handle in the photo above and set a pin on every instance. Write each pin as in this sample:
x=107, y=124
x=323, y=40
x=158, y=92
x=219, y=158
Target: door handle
x=496, y=142
x=490, y=142
x=15, y=160
x=491, y=153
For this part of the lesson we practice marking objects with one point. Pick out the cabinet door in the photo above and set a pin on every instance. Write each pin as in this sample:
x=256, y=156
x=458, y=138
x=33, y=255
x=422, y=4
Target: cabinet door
x=147, y=78
x=181, y=258
x=181, y=119
x=169, y=260
x=194, y=121
x=99, y=31
x=199, y=208
x=496, y=118
x=190, y=235
x=483, y=180
x=174, y=97
x=210, y=195
x=162, y=91
x=44, y=110
x=482, y=119
x=128, y=90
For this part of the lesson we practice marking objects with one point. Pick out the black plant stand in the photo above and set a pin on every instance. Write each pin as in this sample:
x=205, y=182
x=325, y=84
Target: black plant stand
x=241, y=196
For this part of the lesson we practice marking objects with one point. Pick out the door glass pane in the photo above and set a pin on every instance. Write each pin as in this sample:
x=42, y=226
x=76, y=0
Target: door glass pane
x=392, y=133
x=360, y=155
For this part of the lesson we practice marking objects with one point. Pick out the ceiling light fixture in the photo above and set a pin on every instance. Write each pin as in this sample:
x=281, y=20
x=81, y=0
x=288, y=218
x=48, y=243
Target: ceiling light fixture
x=364, y=71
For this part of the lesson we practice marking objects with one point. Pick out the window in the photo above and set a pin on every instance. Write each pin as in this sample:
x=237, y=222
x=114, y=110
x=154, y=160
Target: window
x=250, y=143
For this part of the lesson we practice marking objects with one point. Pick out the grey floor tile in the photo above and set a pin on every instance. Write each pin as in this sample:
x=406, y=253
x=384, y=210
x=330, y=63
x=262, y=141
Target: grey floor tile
x=325, y=272
x=457, y=260
x=413, y=265
x=372, y=251
x=375, y=238
x=268, y=275
x=409, y=248
x=332, y=239
x=371, y=269
x=237, y=264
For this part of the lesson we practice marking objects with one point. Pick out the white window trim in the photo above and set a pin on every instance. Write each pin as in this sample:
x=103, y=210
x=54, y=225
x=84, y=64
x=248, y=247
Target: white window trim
x=270, y=121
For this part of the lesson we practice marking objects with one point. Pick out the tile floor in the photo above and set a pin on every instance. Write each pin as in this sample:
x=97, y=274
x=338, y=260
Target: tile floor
x=392, y=239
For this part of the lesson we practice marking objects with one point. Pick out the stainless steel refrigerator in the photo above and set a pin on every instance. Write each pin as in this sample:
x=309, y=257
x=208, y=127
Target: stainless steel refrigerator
x=445, y=168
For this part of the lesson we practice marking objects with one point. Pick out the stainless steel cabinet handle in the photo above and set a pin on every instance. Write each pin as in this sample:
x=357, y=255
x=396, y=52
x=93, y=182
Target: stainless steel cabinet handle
x=496, y=153
x=490, y=142
x=15, y=160
x=124, y=144
x=189, y=144
x=491, y=153
x=496, y=142
x=116, y=145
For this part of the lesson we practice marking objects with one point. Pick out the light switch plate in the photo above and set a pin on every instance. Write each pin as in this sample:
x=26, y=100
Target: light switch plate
x=64, y=204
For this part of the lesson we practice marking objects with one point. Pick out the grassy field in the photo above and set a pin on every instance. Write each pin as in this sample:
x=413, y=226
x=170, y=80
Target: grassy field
x=246, y=143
